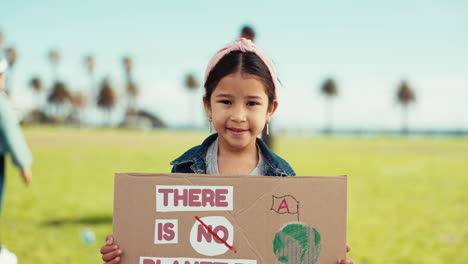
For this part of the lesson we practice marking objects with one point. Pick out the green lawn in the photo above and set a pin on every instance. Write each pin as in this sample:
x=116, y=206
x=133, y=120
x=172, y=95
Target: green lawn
x=408, y=198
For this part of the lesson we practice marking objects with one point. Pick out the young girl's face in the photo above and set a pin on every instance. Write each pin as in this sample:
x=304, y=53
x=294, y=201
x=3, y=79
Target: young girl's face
x=239, y=110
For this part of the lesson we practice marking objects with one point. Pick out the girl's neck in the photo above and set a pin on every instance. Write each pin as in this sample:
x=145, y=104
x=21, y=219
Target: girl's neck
x=237, y=161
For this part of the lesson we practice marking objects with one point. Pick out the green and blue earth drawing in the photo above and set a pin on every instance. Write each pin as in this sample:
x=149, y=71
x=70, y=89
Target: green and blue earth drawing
x=297, y=243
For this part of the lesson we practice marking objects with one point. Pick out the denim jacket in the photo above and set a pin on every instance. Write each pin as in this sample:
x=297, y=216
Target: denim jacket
x=193, y=160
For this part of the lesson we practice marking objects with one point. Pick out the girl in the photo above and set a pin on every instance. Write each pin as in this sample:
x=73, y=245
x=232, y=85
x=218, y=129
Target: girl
x=240, y=98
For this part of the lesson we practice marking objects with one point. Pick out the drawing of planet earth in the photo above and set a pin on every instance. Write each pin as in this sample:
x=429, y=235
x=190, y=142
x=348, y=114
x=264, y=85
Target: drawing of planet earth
x=297, y=243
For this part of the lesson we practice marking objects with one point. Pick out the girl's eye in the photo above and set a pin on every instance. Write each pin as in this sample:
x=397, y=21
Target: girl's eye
x=225, y=102
x=252, y=103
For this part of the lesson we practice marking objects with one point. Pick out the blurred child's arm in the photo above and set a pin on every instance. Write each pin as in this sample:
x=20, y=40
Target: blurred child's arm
x=12, y=138
x=111, y=252
x=27, y=175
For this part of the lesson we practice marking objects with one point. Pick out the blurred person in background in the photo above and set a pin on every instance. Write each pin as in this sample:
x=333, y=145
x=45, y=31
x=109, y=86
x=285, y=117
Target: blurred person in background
x=11, y=142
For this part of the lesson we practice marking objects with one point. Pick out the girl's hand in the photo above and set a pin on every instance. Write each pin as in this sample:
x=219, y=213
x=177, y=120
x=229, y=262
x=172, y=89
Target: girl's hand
x=110, y=252
x=27, y=175
x=346, y=261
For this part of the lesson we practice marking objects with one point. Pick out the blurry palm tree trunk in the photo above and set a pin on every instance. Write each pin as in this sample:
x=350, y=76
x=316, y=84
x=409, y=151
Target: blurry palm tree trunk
x=59, y=95
x=329, y=90
x=59, y=100
x=131, y=88
x=36, y=115
x=107, y=100
x=191, y=84
x=329, y=115
x=2, y=40
x=78, y=102
x=88, y=97
x=132, y=92
x=54, y=58
x=404, y=119
x=36, y=84
x=90, y=64
x=405, y=97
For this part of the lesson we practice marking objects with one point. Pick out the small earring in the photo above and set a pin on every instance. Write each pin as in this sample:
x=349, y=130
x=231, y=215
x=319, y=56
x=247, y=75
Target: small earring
x=268, y=128
x=210, y=125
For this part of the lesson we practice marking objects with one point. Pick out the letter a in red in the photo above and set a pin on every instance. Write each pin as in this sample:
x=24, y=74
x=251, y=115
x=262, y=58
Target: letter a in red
x=283, y=205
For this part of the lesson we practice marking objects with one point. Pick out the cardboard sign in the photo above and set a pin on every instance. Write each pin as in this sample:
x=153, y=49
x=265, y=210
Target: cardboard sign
x=208, y=219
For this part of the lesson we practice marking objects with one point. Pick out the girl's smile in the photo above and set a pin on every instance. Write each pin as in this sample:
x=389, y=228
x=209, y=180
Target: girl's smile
x=237, y=131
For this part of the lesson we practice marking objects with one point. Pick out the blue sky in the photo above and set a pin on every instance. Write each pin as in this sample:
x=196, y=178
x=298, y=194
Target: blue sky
x=368, y=47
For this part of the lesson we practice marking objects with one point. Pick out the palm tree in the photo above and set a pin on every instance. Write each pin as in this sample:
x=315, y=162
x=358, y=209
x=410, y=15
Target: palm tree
x=107, y=99
x=248, y=32
x=128, y=65
x=54, y=58
x=78, y=102
x=90, y=64
x=2, y=40
x=36, y=115
x=36, y=84
x=405, y=97
x=12, y=56
x=132, y=92
x=60, y=99
x=131, y=87
x=191, y=84
x=329, y=90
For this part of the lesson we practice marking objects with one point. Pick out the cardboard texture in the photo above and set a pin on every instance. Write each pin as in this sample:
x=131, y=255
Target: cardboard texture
x=208, y=219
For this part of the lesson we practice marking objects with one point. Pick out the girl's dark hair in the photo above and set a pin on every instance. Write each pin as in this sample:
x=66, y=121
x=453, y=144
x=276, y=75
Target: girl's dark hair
x=242, y=62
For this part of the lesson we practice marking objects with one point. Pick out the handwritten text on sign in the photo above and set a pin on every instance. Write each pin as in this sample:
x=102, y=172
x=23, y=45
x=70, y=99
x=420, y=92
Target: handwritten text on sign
x=177, y=198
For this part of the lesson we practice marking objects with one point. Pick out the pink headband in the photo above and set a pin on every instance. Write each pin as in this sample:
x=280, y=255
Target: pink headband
x=243, y=45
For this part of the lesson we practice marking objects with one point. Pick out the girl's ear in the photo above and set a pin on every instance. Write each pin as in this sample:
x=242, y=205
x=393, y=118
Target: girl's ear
x=207, y=106
x=272, y=108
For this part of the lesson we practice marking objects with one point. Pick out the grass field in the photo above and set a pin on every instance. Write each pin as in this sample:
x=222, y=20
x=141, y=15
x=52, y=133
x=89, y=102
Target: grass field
x=408, y=197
